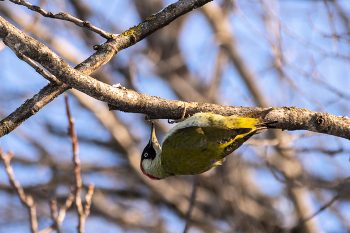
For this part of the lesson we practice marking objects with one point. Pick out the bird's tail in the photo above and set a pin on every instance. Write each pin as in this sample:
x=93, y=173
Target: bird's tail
x=263, y=124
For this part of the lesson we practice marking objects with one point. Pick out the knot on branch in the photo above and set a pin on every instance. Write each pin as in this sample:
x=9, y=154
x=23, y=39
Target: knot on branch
x=319, y=120
x=132, y=39
x=322, y=122
x=96, y=47
x=50, y=15
x=35, y=8
x=86, y=24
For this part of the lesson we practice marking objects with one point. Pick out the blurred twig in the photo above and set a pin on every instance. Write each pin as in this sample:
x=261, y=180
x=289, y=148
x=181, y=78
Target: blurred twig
x=192, y=201
x=223, y=32
x=278, y=141
x=54, y=214
x=83, y=214
x=27, y=200
x=325, y=206
x=64, y=16
x=36, y=18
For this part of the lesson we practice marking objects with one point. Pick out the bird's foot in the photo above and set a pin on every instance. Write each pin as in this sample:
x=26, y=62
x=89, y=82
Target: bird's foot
x=182, y=117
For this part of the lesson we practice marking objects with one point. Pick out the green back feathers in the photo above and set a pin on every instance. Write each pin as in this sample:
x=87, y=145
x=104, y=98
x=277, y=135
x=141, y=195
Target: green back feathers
x=211, y=119
x=203, y=141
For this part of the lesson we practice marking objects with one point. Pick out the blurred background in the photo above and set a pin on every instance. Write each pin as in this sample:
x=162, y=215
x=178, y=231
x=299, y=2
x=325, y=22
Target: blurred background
x=265, y=53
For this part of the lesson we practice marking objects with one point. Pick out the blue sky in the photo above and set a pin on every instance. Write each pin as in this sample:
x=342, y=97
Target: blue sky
x=301, y=44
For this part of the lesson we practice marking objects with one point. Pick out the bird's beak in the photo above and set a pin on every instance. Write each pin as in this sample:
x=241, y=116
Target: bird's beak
x=154, y=141
x=153, y=132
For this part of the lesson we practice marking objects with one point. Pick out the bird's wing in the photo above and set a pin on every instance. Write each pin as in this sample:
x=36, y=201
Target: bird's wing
x=220, y=135
x=198, y=137
x=193, y=150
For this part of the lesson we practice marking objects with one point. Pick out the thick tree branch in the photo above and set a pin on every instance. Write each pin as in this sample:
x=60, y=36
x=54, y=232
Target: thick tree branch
x=19, y=42
x=131, y=101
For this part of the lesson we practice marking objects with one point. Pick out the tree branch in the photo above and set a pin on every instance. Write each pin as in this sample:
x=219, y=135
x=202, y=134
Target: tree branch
x=18, y=41
x=131, y=101
x=64, y=16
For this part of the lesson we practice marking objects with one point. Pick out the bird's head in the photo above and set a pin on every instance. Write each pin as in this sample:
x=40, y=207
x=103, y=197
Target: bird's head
x=150, y=159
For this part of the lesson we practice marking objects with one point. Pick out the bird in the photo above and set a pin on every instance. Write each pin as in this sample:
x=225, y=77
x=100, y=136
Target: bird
x=199, y=143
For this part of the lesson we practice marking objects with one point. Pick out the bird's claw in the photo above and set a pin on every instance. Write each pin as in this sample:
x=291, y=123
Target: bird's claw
x=182, y=117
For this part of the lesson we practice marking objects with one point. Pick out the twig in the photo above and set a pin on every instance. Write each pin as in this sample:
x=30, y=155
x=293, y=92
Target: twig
x=88, y=199
x=61, y=214
x=58, y=218
x=220, y=24
x=77, y=167
x=54, y=214
x=278, y=141
x=27, y=200
x=325, y=206
x=29, y=27
x=66, y=17
x=76, y=161
x=192, y=201
x=64, y=208
x=38, y=69
x=272, y=170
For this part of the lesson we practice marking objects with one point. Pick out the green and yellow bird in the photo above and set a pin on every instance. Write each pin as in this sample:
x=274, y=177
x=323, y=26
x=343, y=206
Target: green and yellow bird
x=199, y=143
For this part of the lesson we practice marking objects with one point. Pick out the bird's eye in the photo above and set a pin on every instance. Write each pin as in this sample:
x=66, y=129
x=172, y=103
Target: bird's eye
x=148, y=153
